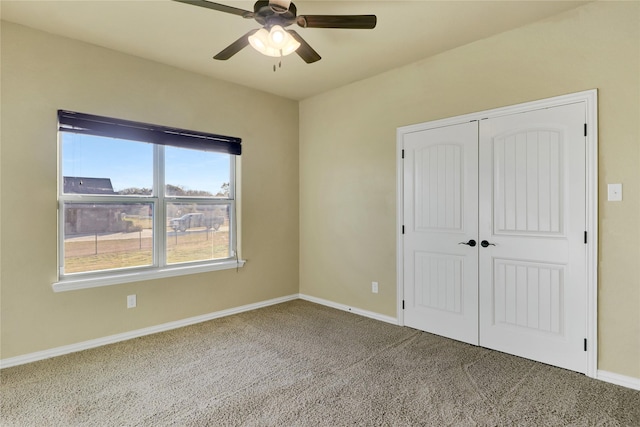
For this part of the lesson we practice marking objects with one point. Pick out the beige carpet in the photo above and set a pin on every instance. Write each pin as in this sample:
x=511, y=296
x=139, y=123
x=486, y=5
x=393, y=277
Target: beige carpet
x=301, y=364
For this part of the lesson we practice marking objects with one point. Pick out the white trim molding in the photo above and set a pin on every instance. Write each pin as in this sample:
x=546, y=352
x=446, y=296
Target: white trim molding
x=621, y=380
x=610, y=377
x=361, y=312
x=80, y=282
x=85, y=345
x=111, y=339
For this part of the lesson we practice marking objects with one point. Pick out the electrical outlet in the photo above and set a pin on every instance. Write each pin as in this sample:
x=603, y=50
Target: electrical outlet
x=374, y=287
x=131, y=301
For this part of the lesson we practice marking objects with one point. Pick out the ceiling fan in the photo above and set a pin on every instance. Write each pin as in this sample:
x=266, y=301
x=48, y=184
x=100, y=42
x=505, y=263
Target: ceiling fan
x=273, y=39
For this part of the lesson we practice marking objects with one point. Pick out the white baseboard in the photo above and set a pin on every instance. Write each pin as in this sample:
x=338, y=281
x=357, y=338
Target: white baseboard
x=72, y=348
x=622, y=380
x=365, y=313
x=610, y=377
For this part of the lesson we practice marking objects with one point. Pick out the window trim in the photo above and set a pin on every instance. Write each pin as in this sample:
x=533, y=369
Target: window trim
x=139, y=274
x=70, y=122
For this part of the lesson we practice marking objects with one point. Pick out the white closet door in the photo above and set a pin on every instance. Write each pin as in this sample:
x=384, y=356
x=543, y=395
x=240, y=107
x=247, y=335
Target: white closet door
x=440, y=212
x=532, y=211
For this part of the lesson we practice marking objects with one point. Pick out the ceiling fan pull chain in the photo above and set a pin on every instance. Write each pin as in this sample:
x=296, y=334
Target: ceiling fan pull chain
x=279, y=65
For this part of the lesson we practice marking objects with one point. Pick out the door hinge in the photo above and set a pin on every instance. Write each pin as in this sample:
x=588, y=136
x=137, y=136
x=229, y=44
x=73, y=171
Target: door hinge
x=403, y=304
x=585, y=237
x=403, y=154
x=585, y=129
x=585, y=344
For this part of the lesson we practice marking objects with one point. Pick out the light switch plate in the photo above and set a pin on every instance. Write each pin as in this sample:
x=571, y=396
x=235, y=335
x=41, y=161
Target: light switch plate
x=131, y=301
x=614, y=192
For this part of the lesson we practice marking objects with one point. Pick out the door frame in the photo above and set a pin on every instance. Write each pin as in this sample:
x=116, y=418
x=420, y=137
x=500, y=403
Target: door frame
x=590, y=99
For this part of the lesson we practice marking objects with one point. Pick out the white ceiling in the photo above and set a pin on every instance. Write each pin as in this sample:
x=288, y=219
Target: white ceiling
x=187, y=36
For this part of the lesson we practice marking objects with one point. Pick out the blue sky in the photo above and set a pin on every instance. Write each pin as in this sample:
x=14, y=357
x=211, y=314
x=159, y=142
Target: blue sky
x=130, y=163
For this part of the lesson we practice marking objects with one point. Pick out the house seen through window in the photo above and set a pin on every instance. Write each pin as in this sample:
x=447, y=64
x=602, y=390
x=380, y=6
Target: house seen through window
x=138, y=196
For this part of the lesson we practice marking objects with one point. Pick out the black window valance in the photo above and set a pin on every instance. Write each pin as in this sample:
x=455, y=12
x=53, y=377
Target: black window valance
x=88, y=124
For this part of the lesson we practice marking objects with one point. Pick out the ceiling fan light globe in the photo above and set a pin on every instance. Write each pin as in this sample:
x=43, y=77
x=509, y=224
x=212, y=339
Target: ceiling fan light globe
x=270, y=51
x=291, y=46
x=264, y=41
x=278, y=37
x=260, y=41
x=283, y=41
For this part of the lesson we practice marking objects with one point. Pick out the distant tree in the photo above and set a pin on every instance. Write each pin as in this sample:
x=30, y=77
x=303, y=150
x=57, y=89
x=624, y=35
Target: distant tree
x=175, y=190
x=180, y=190
x=135, y=191
x=224, y=190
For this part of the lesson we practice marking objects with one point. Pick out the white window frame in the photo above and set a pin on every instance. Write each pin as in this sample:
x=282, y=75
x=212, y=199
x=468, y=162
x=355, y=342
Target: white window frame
x=159, y=200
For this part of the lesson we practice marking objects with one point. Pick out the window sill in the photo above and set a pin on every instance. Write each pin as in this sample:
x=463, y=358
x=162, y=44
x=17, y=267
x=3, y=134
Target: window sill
x=71, y=284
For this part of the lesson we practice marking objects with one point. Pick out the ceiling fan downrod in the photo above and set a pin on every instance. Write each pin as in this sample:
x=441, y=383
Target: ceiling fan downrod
x=279, y=6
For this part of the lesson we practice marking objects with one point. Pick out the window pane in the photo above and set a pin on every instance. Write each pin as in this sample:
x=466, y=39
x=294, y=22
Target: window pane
x=97, y=165
x=197, y=232
x=193, y=173
x=107, y=236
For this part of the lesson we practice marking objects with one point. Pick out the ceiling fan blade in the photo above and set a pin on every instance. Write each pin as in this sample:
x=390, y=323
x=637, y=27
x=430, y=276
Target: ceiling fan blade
x=234, y=47
x=219, y=7
x=364, y=22
x=305, y=51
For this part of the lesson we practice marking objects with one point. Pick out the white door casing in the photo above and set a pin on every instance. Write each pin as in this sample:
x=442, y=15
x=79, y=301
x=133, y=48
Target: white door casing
x=518, y=230
x=532, y=208
x=440, y=175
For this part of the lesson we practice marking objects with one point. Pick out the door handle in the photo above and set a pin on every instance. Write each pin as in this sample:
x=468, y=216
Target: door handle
x=471, y=243
x=484, y=244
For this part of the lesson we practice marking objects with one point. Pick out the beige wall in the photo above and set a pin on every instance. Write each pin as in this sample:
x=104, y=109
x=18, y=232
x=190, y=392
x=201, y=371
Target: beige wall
x=347, y=190
x=348, y=165
x=42, y=73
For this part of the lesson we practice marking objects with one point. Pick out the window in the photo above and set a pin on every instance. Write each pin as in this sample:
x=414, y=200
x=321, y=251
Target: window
x=138, y=201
